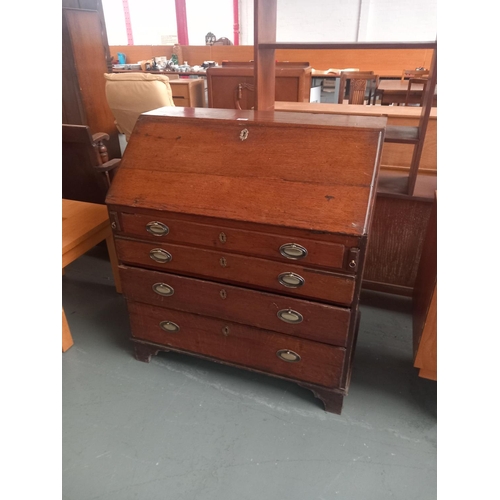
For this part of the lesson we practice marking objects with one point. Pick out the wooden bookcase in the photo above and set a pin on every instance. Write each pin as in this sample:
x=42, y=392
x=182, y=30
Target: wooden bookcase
x=265, y=46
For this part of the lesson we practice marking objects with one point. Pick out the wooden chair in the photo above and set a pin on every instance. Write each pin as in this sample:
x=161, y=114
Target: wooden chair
x=86, y=169
x=362, y=87
x=414, y=73
x=412, y=82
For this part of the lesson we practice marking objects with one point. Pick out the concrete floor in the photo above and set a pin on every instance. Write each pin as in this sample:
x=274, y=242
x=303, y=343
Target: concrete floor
x=181, y=428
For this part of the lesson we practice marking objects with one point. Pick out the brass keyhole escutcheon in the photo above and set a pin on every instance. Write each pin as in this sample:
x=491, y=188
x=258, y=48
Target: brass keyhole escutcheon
x=244, y=134
x=223, y=262
x=223, y=294
x=225, y=331
x=222, y=237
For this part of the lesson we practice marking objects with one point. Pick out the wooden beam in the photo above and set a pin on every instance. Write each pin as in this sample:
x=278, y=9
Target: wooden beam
x=265, y=12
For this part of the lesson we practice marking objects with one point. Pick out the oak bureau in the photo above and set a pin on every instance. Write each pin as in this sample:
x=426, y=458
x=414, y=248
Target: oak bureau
x=241, y=237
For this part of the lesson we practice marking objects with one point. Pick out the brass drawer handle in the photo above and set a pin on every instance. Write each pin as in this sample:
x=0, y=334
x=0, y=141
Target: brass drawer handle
x=160, y=255
x=293, y=251
x=169, y=326
x=157, y=228
x=163, y=289
x=291, y=280
x=290, y=316
x=288, y=356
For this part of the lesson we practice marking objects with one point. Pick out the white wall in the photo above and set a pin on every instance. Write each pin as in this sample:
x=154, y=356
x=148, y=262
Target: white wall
x=214, y=16
x=153, y=21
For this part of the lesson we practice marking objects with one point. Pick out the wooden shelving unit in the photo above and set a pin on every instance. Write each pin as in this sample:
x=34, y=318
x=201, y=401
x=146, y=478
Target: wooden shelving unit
x=265, y=45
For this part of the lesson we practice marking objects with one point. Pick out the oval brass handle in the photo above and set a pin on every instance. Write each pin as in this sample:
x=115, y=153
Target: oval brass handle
x=160, y=255
x=291, y=280
x=157, y=228
x=169, y=326
x=293, y=251
x=288, y=356
x=290, y=316
x=163, y=289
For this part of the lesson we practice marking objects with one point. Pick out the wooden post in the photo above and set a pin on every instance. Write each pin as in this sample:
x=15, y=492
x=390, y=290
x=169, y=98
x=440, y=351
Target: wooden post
x=265, y=64
x=424, y=121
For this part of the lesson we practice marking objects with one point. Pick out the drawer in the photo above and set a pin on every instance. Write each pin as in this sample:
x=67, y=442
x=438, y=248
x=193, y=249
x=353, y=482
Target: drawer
x=249, y=347
x=297, y=317
x=180, y=89
x=182, y=102
x=285, y=278
x=281, y=248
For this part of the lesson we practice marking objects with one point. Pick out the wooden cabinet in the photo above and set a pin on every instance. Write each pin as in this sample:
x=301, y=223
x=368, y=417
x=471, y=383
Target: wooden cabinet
x=189, y=93
x=233, y=86
x=85, y=56
x=247, y=246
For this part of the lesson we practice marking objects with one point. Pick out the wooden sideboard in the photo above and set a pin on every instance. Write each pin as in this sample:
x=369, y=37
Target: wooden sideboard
x=233, y=86
x=255, y=261
x=188, y=92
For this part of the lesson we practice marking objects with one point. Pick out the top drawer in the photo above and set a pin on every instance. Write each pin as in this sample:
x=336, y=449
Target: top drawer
x=252, y=243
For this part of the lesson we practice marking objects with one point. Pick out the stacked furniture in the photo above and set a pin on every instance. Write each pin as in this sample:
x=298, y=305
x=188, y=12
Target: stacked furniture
x=241, y=238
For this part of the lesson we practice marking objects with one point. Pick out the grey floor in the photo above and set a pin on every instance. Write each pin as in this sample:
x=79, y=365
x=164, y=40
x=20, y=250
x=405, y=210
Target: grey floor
x=187, y=429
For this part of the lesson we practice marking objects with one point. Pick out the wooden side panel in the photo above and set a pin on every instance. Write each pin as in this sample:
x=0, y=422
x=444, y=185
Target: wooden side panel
x=248, y=347
x=73, y=109
x=90, y=58
x=425, y=303
x=395, y=244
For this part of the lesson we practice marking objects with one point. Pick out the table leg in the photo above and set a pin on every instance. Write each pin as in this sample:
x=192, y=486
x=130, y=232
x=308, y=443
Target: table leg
x=114, y=262
x=67, y=339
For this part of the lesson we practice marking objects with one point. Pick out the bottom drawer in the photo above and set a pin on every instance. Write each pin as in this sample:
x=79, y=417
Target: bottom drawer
x=243, y=345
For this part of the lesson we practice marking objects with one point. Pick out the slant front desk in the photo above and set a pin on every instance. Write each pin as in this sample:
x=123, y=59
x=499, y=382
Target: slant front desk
x=246, y=244
x=232, y=86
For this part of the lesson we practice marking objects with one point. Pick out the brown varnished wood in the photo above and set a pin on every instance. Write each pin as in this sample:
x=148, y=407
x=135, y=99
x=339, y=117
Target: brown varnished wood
x=228, y=208
x=337, y=164
x=332, y=400
x=143, y=352
x=265, y=15
x=323, y=323
x=386, y=62
x=396, y=241
x=86, y=40
x=254, y=243
x=248, y=347
x=425, y=303
x=84, y=175
x=328, y=207
x=239, y=269
x=121, y=211
x=225, y=90
x=67, y=339
x=402, y=128
x=185, y=187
